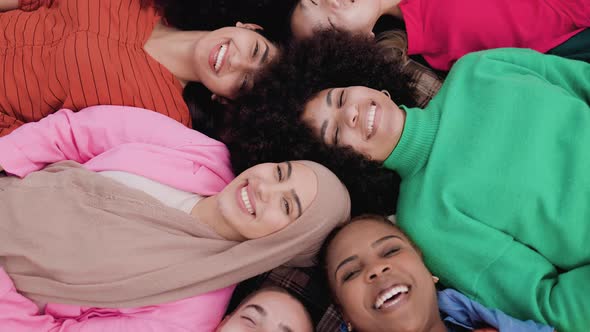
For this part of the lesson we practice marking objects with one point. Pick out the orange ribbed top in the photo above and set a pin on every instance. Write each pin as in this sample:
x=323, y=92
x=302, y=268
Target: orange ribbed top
x=78, y=53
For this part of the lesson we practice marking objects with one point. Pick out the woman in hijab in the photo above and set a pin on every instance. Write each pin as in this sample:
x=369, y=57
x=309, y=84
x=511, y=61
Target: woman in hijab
x=144, y=213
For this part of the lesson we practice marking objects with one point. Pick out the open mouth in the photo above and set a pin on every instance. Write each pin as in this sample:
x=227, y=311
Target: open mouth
x=217, y=59
x=246, y=203
x=371, y=124
x=391, y=296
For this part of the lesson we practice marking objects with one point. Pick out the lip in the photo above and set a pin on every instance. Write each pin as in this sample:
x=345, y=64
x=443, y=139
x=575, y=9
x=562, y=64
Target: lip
x=401, y=301
x=213, y=56
x=241, y=203
x=376, y=121
x=388, y=306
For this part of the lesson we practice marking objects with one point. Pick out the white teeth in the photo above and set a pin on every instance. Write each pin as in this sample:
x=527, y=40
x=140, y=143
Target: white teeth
x=246, y=201
x=389, y=294
x=220, y=56
x=371, y=119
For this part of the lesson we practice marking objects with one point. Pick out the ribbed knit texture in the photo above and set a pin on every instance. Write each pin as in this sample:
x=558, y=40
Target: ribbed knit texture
x=499, y=202
x=78, y=53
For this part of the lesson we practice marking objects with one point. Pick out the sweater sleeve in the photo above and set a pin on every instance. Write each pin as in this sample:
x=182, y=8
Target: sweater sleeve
x=571, y=75
x=80, y=136
x=500, y=272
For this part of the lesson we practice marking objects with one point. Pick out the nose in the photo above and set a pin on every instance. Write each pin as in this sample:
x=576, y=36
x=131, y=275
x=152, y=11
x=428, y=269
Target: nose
x=333, y=3
x=349, y=115
x=376, y=271
x=262, y=190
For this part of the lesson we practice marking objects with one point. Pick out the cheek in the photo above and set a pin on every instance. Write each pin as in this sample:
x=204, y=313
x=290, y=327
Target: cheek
x=273, y=221
x=352, y=299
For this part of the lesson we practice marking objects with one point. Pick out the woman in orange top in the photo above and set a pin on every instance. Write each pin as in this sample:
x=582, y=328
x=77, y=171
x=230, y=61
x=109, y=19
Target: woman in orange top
x=78, y=53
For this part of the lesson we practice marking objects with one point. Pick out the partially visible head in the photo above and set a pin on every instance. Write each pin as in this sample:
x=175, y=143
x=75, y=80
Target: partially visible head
x=276, y=128
x=378, y=278
x=268, y=309
x=267, y=197
x=365, y=119
x=358, y=16
x=228, y=60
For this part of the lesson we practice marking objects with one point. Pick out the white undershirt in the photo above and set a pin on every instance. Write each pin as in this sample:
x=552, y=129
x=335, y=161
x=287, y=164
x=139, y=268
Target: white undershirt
x=169, y=196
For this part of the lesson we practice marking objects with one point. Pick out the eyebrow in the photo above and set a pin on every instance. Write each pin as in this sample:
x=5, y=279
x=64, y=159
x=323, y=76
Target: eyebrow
x=258, y=308
x=385, y=238
x=265, y=54
x=344, y=262
x=329, y=97
x=289, y=169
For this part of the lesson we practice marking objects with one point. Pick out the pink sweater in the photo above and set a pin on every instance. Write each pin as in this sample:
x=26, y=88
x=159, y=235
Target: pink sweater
x=125, y=139
x=196, y=314
x=444, y=30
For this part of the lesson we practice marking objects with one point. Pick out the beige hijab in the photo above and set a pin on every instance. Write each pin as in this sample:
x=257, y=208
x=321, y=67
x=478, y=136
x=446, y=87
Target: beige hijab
x=68, y=235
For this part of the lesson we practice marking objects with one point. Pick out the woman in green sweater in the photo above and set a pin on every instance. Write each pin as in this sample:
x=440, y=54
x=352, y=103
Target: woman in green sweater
x=495, y=174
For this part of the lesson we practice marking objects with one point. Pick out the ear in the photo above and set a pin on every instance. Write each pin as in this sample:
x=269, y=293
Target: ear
x=250, y=26
x=221, y=100
x=372, y=35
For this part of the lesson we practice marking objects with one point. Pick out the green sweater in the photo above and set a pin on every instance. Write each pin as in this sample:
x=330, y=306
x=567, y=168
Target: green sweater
x=496, y=184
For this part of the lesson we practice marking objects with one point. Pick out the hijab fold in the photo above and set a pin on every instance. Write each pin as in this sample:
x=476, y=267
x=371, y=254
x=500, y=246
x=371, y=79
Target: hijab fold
x=69, y=235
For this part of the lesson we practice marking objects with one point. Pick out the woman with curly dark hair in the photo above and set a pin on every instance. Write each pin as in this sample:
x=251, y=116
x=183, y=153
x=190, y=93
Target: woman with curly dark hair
x=492, y=168
x=268, y=126
x=74, y=54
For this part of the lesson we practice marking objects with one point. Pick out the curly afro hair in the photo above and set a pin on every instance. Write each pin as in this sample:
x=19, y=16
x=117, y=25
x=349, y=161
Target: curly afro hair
x=268, y=125
x=215, y=14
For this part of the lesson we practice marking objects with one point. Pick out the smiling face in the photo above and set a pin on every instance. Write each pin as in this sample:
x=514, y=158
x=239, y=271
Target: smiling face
x=267, y=197
x=228, y=60
x=268, y=311
x=379, y=279
x=357, y=16
x=360, y=117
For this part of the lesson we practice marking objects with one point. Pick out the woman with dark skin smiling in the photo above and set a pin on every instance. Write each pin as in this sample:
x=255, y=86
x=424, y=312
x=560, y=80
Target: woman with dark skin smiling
x=74, y=54
x=493, y=171
x=380, y=283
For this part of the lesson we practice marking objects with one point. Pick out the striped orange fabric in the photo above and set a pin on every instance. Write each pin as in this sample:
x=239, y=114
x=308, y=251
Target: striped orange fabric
x=78, y=53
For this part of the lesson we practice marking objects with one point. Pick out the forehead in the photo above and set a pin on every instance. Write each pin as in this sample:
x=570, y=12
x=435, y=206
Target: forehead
x=281, y=309
x=358, y=237
x=305, y=18
x=305, y=182
x=316, y=110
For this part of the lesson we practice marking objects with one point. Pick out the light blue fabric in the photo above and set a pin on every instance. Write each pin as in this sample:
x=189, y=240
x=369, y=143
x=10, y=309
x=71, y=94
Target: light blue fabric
x=469, y=314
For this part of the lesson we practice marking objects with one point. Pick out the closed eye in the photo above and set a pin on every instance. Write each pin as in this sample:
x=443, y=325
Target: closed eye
x=315, y=3
x=391, y=252
x=255, y=50
x=349, y=275
x=279, y=173
x=341, y=99
x=286, y=206
x=249, y=321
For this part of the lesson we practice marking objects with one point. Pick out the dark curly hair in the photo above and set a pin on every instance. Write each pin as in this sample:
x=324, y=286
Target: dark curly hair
x=268, y=126
x=214, y=14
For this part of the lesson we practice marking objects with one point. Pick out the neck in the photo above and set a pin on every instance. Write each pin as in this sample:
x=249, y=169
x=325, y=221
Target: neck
x=175, y=50
x=207, y=211
x=438, y=326
x=390, y=7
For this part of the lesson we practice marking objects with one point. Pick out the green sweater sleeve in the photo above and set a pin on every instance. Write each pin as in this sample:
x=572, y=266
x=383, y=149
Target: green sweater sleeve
x=511, y=275
x=571, y=75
